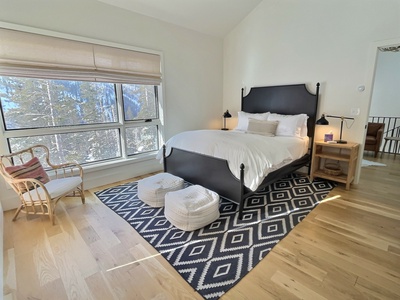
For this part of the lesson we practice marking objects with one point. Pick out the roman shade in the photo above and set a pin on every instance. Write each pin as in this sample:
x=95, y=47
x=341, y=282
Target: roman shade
x=24, y=54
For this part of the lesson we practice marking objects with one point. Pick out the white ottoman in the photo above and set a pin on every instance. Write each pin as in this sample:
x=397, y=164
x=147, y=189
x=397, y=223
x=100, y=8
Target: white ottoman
x=152, y=190
x=191, y=208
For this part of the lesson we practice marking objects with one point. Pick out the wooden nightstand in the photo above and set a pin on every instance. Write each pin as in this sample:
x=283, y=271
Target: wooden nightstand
x=345, y=154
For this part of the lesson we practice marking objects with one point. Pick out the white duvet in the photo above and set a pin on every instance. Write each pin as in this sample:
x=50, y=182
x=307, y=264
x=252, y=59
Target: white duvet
x=259, y=154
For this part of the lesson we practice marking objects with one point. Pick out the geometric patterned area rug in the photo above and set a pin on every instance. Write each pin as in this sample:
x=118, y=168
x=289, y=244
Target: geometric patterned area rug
x=214, y=258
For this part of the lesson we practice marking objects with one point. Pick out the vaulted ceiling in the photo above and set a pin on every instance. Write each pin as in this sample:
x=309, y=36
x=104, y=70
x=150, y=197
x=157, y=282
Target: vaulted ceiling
x=213, y=17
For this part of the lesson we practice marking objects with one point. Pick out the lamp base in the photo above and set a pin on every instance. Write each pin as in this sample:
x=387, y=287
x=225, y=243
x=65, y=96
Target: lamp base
x=341, y=142
x=224, y=128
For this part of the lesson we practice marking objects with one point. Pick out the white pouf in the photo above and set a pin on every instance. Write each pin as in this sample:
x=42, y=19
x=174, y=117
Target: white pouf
x=191, y=208
x=152, y=190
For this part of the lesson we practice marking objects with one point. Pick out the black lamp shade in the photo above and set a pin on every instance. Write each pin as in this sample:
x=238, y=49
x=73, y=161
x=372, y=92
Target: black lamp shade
x=322, y=121
x=227, y=114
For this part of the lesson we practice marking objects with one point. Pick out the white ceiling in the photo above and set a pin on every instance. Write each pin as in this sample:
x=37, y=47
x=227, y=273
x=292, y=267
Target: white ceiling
x=213, y=17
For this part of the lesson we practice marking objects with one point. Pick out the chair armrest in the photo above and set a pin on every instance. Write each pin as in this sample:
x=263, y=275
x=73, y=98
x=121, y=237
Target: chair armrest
x=67, y=170
x=24, y=185
x=379, y=135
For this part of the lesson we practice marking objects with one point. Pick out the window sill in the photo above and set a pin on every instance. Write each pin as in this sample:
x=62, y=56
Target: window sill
x=119, y=162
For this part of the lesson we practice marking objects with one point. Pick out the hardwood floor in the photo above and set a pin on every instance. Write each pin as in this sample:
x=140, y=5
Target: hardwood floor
x=347, y=248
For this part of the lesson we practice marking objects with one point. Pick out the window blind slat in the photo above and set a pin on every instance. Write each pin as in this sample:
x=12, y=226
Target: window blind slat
x=111, y=59
x=27, y=49
x=25, y=54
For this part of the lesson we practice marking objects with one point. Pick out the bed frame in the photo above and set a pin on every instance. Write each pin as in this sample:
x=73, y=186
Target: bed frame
x=214, y=173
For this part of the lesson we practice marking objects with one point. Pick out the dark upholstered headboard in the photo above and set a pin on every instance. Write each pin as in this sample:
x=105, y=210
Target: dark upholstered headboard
x=283, y=99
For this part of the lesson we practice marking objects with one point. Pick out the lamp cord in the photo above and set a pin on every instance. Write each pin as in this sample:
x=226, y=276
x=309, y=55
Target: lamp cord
x=347, y=125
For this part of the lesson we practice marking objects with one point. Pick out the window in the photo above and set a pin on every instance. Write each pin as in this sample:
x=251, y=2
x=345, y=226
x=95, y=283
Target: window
x=81, y=121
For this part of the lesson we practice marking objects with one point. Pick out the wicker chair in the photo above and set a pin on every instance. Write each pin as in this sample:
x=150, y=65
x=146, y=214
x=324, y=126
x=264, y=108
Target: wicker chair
x=38, y=192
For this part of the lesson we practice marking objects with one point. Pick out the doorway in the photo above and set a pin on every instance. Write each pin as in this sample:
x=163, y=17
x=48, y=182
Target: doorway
x=384, y=106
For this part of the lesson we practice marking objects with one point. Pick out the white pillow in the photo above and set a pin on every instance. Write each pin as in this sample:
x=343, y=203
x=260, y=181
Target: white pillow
x=304, y=129
x=263, y=127
x=243, y=119
x=290, y=125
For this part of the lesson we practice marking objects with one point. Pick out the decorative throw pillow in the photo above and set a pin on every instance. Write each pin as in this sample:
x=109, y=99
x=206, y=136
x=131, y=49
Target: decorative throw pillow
x=30, y=169
x=263, y=127
x=243, y=119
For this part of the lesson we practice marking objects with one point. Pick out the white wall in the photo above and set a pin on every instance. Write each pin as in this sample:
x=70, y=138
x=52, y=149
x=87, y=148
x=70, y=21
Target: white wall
x=192, y=66
x=308, y=41
x=386, y=92
x=1, y=250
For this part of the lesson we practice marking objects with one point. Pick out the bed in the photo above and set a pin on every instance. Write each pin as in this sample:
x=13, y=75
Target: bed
x=215, y=173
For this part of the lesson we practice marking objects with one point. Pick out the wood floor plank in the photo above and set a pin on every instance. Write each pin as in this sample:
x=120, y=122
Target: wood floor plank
x=347, y=248
x=293, y=286
x=43, y=259
x=73, y=281
x=351, y=252
x=388, y=213
x=54, y=290
x=368, y=228
x=374, y=290
x=102, y=255
x=100, y=287
x=335, y=282
x=103, y=231
x=353, y=232
x=339, y=272
x=301, y=251
x=28, y=283
x=285, y=255
x=163, y=274
x=259, y=285
x=9, y=272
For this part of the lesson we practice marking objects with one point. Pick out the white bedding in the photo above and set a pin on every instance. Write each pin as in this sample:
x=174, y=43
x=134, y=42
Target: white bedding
x=259, y=154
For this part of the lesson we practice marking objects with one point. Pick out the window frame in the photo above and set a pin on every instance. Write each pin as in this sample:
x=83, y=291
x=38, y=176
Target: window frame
x=137, y=123
x=160, y=122
x=121, y=125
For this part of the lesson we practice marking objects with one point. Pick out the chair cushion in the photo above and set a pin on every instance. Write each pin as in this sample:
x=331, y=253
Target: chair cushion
x=370, y=140
x=152, y=190
x=55, y=187
x=31, y=169
x=191, y=208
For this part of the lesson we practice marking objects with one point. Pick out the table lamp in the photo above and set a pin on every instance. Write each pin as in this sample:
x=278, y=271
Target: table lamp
x=323, y=121
x=226, y=115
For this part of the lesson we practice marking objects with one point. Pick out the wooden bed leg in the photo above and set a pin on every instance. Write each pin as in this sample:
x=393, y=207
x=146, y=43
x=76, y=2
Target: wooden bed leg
x=241, y=204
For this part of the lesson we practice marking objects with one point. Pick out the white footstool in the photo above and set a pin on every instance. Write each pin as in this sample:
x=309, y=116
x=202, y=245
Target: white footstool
x=152, y=190
x=191, y=208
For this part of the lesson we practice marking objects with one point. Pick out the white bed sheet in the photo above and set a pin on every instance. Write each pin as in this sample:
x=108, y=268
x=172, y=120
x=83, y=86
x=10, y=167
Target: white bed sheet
x=259, y=154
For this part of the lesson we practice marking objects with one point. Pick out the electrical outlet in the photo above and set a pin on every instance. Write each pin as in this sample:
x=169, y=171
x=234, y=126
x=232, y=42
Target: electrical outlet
x=355, y=111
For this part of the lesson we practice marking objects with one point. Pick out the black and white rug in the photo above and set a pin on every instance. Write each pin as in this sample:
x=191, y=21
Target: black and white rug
x=213, y=259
